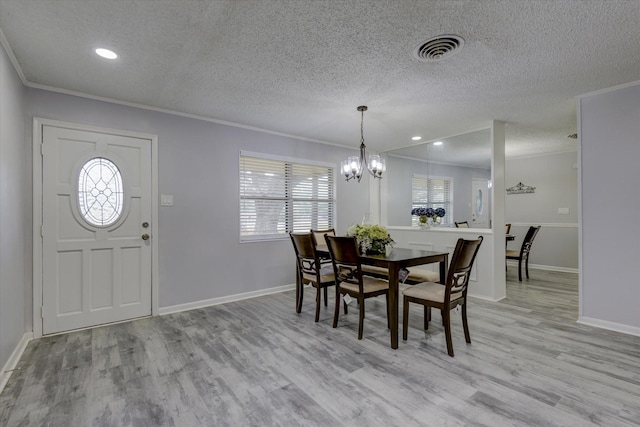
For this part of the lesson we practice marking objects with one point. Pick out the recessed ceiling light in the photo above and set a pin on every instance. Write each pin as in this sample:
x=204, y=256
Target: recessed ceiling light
x=106, y=53
x=416, y=138
x=437, y=143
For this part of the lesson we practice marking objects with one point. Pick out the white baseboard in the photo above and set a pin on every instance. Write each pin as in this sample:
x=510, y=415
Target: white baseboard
x=545, y=267
x=484, y=298
x=12, y=363
x=612, y=326
x=222, y=300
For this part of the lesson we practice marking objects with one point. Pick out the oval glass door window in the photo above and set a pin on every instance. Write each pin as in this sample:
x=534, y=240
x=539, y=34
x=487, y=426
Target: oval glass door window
x=100, y=194
x=479, y=204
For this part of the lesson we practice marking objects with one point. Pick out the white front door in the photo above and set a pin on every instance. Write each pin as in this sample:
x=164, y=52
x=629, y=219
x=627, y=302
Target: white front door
x=479, y=203
x=96, y=217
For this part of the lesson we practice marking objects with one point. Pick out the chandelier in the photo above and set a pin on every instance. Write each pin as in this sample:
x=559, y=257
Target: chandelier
x=354, y=166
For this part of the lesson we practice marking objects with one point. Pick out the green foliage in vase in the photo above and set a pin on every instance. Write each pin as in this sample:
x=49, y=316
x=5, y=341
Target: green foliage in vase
x=372, y=238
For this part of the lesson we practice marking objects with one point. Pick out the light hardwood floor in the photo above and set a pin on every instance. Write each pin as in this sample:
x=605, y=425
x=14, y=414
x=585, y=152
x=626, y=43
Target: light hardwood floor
x=257, y=363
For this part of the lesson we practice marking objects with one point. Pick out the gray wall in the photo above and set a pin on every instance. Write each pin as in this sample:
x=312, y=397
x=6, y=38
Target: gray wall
x=15, y=214
x=200, y=256
x=397, y=188
x=610, y=150
x=555, y=177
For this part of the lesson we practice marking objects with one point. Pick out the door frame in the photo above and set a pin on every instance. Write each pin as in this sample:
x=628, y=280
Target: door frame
x=38, y=123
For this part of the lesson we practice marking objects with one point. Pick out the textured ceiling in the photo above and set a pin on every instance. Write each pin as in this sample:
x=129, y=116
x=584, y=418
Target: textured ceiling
x=301, y=67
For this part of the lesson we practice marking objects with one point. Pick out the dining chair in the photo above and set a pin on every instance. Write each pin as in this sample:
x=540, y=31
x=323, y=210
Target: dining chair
x=347, y=269
x=462, y=224
x=318, y=236
x=310, y=269
x=525, y=249
x=447, y=297
x=507, y=228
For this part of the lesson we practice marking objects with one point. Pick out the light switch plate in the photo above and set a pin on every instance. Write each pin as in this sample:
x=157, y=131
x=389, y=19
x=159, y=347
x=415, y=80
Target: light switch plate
x=166, y=200
x=563, y=211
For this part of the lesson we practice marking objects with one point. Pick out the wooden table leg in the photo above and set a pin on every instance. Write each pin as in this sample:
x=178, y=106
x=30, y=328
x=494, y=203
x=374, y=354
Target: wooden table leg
x=299, y=291
x=394, y=269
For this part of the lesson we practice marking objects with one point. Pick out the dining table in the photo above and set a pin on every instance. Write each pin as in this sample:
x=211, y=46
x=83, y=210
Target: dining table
x=394, y=260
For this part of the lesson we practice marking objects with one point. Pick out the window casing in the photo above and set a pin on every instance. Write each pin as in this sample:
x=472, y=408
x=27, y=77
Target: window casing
x=432, y=192
x=280, y=195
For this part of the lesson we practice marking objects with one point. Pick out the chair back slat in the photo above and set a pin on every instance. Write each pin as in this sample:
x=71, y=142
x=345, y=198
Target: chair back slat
x=346, y=259
x=460, y=268
x=319, y=234
x=528, y=240
x=306, y=255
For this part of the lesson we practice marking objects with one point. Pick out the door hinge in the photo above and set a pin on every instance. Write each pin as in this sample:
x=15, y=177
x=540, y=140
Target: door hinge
x=42, y=311
x=42, y=231
x=42, y=148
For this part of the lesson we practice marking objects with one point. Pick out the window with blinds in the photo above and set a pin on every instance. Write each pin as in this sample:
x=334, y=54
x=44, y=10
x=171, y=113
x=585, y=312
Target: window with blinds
x=278, y=196
x=432, y=192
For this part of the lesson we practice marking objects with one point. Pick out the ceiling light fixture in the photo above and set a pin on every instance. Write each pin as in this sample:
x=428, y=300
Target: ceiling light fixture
x=416, y=138
x=437, y=143
x=354, y=166
x=106, y=53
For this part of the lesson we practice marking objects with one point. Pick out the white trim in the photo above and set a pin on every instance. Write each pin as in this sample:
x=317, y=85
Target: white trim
x=548, y=153
x=424, y=244
x=37, y=159
x=178, y=113
x=14, y=61
x=483, y=298
x=547, y=267
x=580, y=240
x=488, y=126
x=611, y=326
x=223, y=300
x=546, y=224
x=606, y=90
x=12, y=363
x=286, y=159
x=434, y=162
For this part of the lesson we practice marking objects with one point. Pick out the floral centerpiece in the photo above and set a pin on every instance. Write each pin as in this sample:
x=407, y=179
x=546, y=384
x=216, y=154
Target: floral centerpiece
x=372, y=238
x=424, y=214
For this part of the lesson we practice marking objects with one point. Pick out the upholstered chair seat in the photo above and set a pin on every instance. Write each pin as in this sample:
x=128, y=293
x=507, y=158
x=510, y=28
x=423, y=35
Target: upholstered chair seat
x=429, y=291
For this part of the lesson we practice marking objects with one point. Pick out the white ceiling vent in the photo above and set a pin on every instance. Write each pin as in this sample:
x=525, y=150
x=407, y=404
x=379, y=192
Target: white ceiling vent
x=438, y=48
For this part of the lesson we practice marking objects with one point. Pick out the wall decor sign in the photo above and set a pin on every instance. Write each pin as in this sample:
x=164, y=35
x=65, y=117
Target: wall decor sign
x=520, y=188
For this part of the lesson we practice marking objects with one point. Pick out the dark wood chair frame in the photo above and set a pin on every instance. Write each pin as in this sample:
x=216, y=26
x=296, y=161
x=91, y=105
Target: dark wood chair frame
x=525, y=249
x=459, y=223
x=318, y=236
x=308, y=262
x=347, y=268
x=457, y=282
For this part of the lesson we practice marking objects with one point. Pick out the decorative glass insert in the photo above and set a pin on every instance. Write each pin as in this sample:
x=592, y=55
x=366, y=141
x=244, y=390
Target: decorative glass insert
x=479, y=203
x=100, y=194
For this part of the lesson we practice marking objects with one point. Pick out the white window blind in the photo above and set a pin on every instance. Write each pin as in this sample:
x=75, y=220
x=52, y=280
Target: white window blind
x=280, y=196
x=432, y=192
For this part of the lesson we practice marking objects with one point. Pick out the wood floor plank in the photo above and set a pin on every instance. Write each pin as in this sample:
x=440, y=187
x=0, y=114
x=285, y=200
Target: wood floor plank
x=258, y=363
